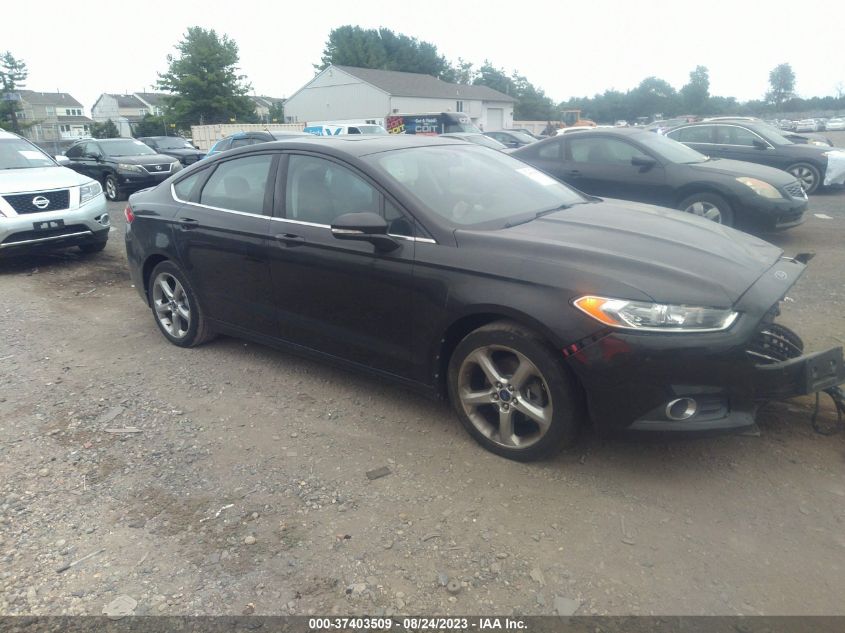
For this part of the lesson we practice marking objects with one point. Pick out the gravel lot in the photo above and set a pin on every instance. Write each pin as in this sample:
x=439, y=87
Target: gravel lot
x=244, y=489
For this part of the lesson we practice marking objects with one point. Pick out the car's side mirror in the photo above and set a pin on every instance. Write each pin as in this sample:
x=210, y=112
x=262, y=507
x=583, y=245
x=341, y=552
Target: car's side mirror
x=644, y=162
x=364, y=227
x=61, y=159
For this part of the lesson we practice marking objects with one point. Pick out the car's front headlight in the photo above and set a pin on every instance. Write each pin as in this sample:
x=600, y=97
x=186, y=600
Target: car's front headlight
x=760, y=187
x=128, y=167
x=175, y=166
x=89, y=191
x=655, y=317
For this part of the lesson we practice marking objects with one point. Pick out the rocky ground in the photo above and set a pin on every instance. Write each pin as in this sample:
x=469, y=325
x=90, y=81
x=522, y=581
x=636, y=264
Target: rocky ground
x=232, y=478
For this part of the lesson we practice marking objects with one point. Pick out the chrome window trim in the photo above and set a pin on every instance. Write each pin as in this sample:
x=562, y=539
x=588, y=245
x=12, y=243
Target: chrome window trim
x=409, y=238
x=208, y=206
x=716, y=124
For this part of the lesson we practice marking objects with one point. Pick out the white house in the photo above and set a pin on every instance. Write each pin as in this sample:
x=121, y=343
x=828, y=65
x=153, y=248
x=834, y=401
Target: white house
x=126, y=109
x=344, y=92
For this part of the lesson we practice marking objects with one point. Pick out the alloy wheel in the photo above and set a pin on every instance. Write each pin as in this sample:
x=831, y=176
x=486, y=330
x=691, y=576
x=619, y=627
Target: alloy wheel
x=805, y=176
x=171, y=305
x=706, y=210
x=505, y=396
x=111, y=189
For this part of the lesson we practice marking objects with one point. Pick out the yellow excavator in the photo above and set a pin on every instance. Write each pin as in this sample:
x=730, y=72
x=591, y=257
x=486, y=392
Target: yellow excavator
x=572, y=118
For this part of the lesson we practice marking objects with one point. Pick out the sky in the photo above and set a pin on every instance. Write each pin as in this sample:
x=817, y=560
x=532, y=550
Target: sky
x=568, y=49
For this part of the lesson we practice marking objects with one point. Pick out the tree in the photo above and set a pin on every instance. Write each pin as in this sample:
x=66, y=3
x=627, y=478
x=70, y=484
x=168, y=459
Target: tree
x=654, y=96
x=495, y=78
x=204, y=82
x=782, y=82
x=277, y=112
x=13, y=74
x=382, y=49
x=105, y=130
x=460, y=73
x=696, y=93
x=151, y=125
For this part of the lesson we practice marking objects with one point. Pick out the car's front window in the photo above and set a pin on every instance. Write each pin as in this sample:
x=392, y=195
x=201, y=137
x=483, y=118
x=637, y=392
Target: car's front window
x=522, y=137
x=173, y=143
x=126, y=147
x=772, y=134
x=18, y=154
x=473, y=186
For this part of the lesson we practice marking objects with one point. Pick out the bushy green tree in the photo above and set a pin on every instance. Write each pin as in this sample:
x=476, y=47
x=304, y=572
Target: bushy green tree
x=277, y=112
x=13, y=74
x=382, y=49
x=782, y=82
x=151, y=125
x=106, y=129
x=204, y=82
x=696, y=93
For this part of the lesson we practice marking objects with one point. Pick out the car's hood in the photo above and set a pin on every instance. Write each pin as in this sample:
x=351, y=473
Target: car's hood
x=738, y=168
x=632, y=251
x=39, y=179
x=145, y=159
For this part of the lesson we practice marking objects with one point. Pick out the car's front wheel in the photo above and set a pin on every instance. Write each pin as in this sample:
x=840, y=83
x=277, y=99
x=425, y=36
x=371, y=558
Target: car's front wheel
x=808, y=176
x=512, y=394
x=175, y=307
x=111, y=189
x=709, y=206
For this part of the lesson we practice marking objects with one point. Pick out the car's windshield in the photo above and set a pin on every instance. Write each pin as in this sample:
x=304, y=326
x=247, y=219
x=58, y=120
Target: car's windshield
x=772, y=134
x=127, y=147
x=172, y=142
x=522, y=137
x=473, y=186
x=18, y=154
x=673, y=151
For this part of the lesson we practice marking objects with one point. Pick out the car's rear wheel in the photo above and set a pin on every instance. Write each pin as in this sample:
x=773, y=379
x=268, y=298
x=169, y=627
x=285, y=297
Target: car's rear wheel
x=710, y=206
x=512, y=394
x=175, y=307
x=808, y=176
x=111, y=189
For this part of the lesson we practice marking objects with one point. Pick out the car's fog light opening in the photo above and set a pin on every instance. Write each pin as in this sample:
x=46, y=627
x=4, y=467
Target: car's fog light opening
x=104, y=219
x=681, y=409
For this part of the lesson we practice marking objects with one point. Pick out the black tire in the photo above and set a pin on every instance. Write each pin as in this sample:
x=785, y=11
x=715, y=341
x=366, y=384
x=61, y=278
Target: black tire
x=197, y=331
x=111, y=189
x=93, y=247
x=552, y=391
x=707, y=201
x=808, y=176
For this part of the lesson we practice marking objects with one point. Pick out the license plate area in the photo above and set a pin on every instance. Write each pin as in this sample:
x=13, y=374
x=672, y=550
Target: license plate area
x=48, y=225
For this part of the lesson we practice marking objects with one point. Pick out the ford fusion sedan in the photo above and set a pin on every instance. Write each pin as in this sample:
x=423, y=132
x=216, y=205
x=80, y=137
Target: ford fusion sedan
x=44, y=205
x=459, y=271
x=813, y=165
x=122, y=165
x=640, y=166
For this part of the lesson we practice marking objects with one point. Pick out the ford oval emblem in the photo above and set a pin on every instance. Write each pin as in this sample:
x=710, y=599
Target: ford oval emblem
x=779, y=274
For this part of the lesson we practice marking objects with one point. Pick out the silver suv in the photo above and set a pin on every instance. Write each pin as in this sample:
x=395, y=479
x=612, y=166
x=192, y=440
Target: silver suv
x=45, y=205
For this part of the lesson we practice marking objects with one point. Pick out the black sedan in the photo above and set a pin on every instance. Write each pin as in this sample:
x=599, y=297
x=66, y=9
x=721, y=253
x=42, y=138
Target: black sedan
x=121, y=165
x=812, y=165
x=464, y=273
x=175, y=146
x=641, y=166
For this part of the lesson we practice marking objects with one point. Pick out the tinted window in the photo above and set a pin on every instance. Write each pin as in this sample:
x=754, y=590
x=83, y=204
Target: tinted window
x=602, y=151
x=239, y=184
x=75, y=151
x=243, y=142
x=91, y=150
x=397, y=222
x=319, y=191
x=733, y=135
x=699, y=134
x=186, y=188
x=550, y=151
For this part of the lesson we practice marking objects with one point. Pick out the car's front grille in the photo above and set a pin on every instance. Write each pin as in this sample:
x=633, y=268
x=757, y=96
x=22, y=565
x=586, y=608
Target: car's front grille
x=774, y=343
x=39, y=201
x=796, y=190
x=26, y=236
x=158, y=168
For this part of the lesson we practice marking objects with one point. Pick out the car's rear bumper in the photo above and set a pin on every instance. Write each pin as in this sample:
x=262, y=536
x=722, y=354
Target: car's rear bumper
x=55, y=229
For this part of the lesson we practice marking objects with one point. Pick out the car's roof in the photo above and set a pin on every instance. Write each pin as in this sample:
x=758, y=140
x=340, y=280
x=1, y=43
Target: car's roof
x=353, y=145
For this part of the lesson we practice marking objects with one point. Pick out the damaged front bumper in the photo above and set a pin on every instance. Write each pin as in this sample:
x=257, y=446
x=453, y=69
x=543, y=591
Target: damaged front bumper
x=705, y=383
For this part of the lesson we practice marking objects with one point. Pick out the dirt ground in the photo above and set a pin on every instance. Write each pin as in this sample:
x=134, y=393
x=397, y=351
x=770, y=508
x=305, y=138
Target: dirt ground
x=245, y=491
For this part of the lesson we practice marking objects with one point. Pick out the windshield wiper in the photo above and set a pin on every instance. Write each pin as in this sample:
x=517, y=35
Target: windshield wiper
x=540, y=214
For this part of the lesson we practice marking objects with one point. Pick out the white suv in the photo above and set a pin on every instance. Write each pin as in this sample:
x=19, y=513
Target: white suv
x=43, y=204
